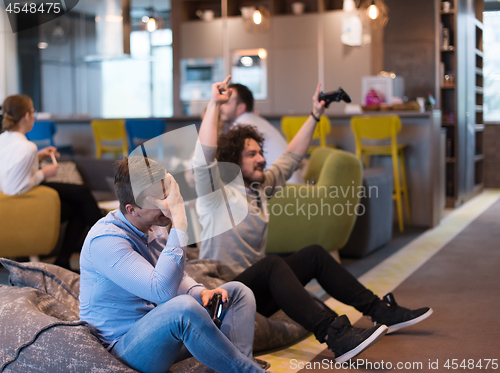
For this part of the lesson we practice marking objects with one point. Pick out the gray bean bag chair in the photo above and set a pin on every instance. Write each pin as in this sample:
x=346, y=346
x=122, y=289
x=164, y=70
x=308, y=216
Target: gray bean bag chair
x=40, y=330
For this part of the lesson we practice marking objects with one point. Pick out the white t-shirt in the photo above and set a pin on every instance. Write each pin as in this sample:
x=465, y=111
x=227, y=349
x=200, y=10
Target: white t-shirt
x=19, y=171
x=274, y=144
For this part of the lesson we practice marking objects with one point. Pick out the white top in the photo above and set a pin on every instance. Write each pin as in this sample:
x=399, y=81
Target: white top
x=19, y=171
x=274, y=144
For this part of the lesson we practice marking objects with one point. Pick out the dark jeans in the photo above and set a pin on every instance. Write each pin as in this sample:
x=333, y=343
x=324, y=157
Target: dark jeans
x=278, y=283
x=80, y=210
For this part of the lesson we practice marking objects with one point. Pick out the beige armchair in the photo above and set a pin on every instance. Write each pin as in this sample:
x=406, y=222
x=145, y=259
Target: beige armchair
x=29, y=223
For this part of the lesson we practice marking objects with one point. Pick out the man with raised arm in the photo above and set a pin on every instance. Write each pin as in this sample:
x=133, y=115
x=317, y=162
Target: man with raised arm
x=276, y=282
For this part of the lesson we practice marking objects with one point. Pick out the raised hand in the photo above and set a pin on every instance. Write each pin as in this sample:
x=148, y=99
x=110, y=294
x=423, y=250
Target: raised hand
x=220, y=93
x=318, y=106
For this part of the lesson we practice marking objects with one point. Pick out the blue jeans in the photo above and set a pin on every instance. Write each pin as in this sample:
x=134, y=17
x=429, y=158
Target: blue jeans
x=152, y=344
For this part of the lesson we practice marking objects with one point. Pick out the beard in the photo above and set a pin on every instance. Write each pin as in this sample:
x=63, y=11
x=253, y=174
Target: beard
x=256, y=177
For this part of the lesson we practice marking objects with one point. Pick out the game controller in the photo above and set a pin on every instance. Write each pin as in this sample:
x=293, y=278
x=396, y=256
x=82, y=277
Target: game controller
x=215, y=309
x=336, y=96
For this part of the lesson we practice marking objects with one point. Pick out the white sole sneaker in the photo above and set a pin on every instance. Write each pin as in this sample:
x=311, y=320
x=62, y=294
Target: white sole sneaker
x=405, y=324
x=379, y=333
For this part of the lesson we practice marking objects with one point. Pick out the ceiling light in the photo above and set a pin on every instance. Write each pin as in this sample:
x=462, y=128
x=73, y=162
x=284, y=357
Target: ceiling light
x=151, y=25
x=43, y=45
x=145, y=19
x=262, y=53
x=257, y=17
x=373, y=11
x=257, y=22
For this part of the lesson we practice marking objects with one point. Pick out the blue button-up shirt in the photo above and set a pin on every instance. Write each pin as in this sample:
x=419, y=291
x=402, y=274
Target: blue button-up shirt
x=125, y=273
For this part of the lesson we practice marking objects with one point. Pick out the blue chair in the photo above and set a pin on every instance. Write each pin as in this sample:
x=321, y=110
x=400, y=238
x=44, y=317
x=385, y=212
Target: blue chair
x=42, y=131
x=42, y=135
x=141, y=130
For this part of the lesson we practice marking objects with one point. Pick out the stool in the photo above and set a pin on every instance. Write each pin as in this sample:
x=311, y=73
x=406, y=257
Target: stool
x=372, y=229
x=381, y=128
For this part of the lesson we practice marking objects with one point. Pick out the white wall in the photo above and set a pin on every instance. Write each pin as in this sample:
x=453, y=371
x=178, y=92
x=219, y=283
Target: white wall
x=300, y=54
x=9, y=80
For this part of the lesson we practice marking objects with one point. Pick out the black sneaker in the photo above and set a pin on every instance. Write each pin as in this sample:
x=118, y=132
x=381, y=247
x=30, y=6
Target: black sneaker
x=347, y=341
x=397, y=317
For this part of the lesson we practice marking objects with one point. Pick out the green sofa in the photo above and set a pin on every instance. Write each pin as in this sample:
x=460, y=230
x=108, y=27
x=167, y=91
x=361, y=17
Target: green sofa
x=320, y=211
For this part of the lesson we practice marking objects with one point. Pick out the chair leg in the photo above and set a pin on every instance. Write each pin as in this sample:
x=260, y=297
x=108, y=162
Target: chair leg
x=397, y=190
x=98, y=151
x=404, y=185
x=366, y=161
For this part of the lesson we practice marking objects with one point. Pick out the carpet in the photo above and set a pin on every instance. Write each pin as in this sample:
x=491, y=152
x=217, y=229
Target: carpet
x=461, y=282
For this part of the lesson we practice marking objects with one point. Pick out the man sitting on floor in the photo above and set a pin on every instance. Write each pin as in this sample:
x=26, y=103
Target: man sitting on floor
x=279, y=283
x=134, y=290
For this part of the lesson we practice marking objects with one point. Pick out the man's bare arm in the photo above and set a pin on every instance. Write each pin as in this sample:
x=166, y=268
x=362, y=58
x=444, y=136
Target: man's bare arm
x=208, y=130
x=300, y=142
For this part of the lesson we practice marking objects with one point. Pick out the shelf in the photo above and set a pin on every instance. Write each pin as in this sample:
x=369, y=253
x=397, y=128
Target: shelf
x=464, y=141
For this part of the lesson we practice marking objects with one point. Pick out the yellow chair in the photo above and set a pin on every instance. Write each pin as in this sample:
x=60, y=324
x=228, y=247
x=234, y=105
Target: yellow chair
x=109, y=130
x=380, y=128
x=29, y=223
x=291, y=125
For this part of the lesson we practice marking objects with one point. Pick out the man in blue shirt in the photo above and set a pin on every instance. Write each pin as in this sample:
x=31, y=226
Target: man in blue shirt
x=134, y=290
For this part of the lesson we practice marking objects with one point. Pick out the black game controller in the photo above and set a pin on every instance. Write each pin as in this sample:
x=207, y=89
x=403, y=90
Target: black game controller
x=336, y=96
x=215, y=309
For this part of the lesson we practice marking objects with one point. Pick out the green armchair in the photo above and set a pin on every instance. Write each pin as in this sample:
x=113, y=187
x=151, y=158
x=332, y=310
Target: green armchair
x=29, y=223
x=321, y=211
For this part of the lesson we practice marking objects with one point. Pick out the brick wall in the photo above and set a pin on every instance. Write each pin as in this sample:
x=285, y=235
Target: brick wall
x=491, y=149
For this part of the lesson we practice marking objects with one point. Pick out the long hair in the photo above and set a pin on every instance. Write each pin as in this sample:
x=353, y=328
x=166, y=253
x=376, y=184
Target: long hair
x=14, y=109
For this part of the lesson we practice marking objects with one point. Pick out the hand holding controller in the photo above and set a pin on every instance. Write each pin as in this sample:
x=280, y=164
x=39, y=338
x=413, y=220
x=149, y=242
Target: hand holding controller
x=336, y=96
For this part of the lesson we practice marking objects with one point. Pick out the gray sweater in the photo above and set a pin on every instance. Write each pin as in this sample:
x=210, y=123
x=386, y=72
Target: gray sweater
x=234, y=218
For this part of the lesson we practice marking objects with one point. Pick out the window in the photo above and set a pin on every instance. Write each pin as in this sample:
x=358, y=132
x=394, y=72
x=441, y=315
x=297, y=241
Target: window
x=140, y=87
x=491, y=68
